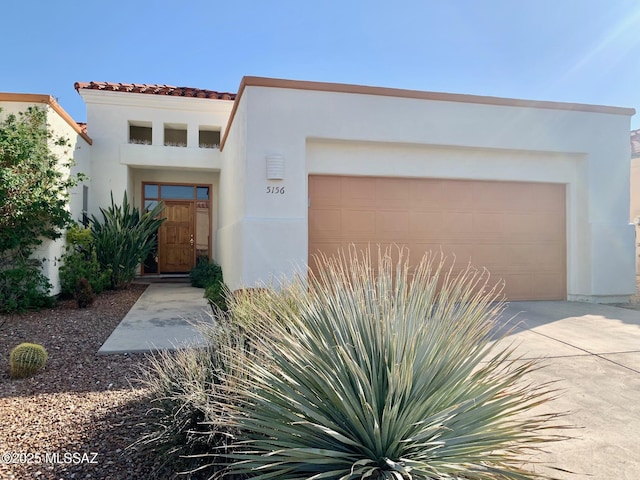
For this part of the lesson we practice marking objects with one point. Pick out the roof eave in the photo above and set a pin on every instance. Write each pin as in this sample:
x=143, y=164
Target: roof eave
x=50, y=101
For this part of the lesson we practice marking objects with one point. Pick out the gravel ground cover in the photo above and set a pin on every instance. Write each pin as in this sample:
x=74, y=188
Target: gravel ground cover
x=76, y=418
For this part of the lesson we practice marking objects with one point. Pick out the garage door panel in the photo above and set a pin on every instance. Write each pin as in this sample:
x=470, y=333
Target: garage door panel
x=422, y=224
x=326, y=224
x=520, y=256
x=549, y=226
x=489, y=255
x=516, y=286
x=546, y=286
x=433, y=195
x=452, y=195
x=358, y=192
x=326, y=248
x=502, y=196
x=456, y=223
x=325, y=192
x=391, y=193
x=335, y=248
x=516, y=230
x=428, y=195
x=462, y=252
x=488, y=199
x=527, y=287
x=358, y=222
x=545, y=257
x=522, y=224
x=489, y=223
x=392, y=225
x=423, y=196
x=547, y=197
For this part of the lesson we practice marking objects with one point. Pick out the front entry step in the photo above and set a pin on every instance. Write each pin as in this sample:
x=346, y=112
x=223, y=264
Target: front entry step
x=163, y=278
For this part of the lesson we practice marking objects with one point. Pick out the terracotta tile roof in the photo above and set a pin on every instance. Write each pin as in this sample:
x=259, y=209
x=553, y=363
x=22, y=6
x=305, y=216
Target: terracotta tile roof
x=155, y=90
x=635, y=143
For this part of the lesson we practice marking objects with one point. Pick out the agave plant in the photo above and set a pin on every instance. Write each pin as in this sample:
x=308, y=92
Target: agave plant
x=123, y=238
x=383, y=371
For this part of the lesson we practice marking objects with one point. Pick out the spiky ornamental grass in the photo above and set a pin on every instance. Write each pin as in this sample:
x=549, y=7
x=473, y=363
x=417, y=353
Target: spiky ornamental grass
x=382, y=371
x=186, y=419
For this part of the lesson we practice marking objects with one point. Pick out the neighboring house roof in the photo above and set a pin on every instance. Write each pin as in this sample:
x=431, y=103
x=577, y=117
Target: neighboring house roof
x=635, y=143
x=155, y=90
x=48, y=100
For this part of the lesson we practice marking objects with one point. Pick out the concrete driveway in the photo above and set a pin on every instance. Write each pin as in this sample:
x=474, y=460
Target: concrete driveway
x=591, y=351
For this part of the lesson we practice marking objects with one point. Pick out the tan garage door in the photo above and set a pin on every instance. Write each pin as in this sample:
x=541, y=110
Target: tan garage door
x=516, y=230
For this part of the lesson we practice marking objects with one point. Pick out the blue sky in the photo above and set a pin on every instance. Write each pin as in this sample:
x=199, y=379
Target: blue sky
x=585, y=51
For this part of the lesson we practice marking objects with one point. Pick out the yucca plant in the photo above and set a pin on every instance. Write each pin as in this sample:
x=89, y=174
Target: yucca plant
x=123, y=239
x=383, y=371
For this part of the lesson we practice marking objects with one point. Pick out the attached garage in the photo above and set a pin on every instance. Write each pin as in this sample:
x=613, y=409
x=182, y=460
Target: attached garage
x=514, y=229
x=532, y=191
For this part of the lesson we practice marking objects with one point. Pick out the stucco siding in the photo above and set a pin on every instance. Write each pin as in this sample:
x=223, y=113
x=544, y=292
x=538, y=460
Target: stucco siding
x=635, y=206
x=109, y=116
x=262, y=223
x=230, y=248
x=339, y=133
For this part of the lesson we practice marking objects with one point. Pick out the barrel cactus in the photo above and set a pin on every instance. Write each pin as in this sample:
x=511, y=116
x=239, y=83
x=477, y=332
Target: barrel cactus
x=26, y=359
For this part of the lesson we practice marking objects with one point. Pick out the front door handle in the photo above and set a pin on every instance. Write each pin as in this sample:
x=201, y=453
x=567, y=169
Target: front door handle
x=191, y=241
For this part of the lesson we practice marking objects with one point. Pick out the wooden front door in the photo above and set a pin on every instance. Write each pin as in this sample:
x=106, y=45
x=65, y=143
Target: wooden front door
x=176, y=244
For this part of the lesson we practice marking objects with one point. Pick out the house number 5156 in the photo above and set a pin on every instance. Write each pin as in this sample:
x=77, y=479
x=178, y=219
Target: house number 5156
x=275, y=190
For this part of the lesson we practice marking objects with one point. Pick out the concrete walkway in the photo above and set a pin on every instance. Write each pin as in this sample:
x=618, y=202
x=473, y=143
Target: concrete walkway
x=162, y=318
x=592, y=352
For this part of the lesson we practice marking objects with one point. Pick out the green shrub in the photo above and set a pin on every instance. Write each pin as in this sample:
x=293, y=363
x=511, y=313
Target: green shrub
x=208, y=275
x=79, y=237
x=80, y=261
x=205, y=273
x=23, y=286
x=123, y=239
x=26, y=359
x=384, y=371
x=216, y=295
x=34, y=195
x=34, y=182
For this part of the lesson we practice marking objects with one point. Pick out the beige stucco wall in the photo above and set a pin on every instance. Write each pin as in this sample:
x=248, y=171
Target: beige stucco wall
x=353, y=131
x=121, y=165
x=230, y=248
x=113, y=158
x=635, y=206
x=362, y=134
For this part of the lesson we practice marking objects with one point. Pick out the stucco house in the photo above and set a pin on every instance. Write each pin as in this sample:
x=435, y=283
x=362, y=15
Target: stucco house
x=62, y=125
x=262, y=179
x=635, y=190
